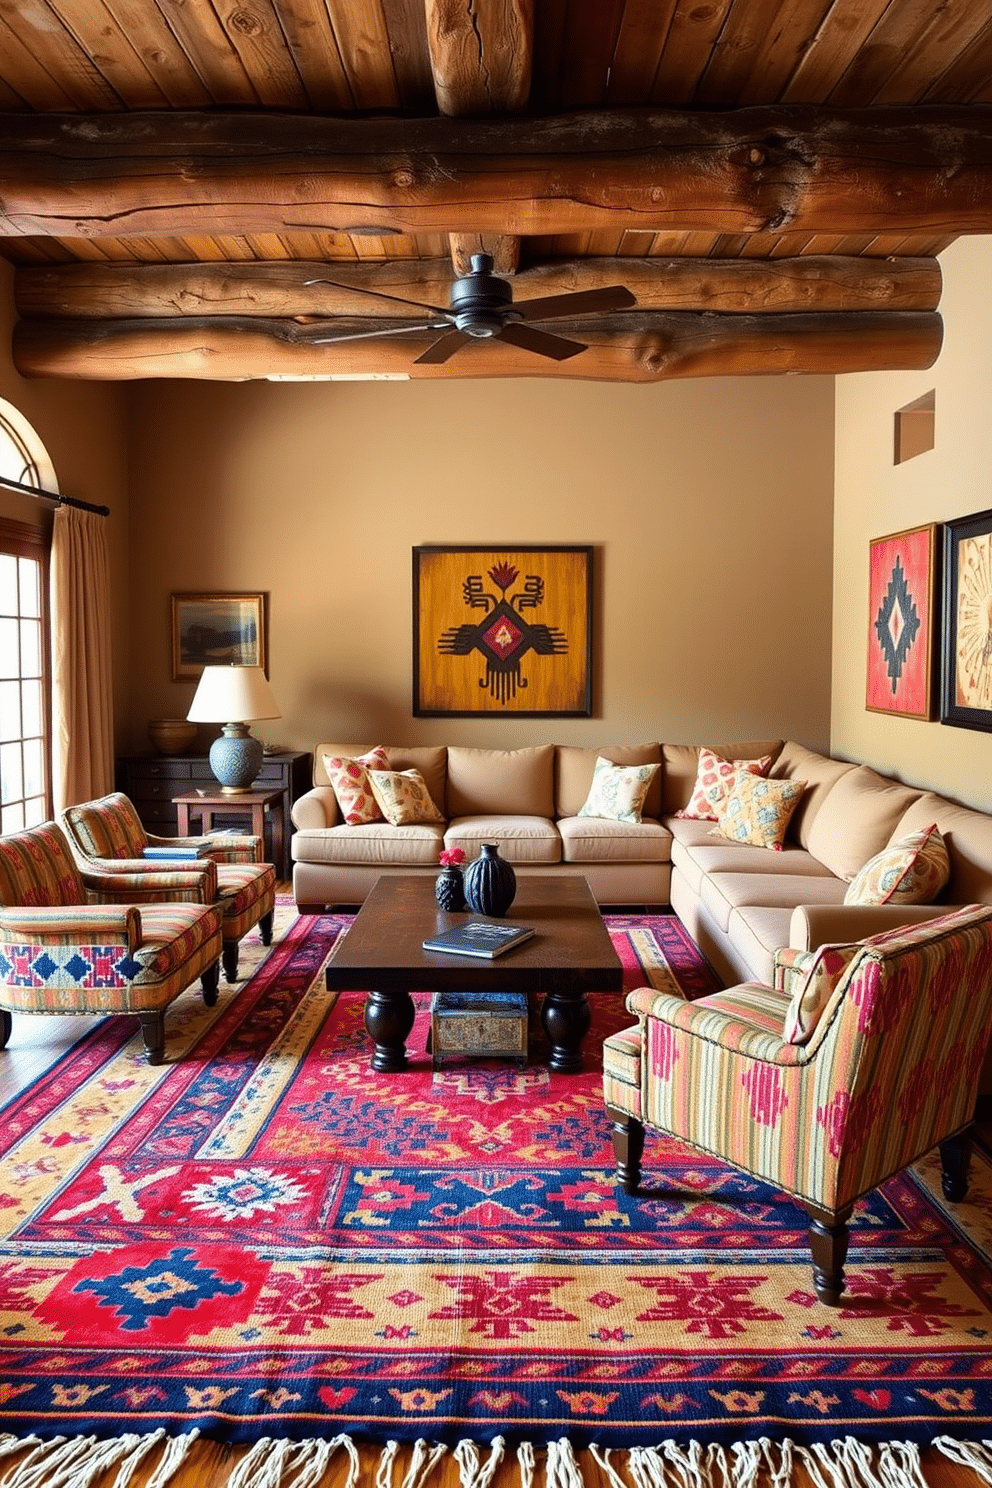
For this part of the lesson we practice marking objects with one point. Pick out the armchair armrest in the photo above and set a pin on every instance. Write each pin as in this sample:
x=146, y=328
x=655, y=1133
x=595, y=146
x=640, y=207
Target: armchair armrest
x=813, y=925
x=150, y=883
x=222, y=847
x=67, y=924
x=317, y=808
x=747, y=1019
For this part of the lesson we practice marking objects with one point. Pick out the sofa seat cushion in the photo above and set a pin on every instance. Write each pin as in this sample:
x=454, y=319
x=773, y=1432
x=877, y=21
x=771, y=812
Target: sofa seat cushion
x=521, y=839
x=756, y=932
x=722, y=893
x=592, y=839
x=376, y=843
x=696, y=853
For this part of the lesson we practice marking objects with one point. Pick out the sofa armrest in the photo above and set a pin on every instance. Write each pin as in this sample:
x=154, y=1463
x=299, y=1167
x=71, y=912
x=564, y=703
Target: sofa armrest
x=317, y=808
x=64, y=924
x=813, y=925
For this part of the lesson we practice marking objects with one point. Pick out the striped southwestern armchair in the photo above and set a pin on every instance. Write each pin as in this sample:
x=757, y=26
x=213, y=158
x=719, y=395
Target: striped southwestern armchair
x=857, y=1062
x=108, y=836
x=61, y=952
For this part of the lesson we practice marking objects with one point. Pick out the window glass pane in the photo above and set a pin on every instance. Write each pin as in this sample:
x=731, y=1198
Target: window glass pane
x=31, y=715
x=10, y=651
x=11, y=775
x=34, y=811
x=10, y=711
x=12, y=817
x=30, y=574
x=8, y=584
x=34, y=770
x=30, y=648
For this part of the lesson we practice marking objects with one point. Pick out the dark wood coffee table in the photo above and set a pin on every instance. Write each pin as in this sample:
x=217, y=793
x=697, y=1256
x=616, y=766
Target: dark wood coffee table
x=570, y=956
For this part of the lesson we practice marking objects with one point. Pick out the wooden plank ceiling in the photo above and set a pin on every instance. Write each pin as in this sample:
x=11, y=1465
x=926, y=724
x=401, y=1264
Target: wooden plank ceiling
x=771, y=179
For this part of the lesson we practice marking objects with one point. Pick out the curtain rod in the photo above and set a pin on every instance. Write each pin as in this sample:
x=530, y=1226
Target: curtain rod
x=43, y=495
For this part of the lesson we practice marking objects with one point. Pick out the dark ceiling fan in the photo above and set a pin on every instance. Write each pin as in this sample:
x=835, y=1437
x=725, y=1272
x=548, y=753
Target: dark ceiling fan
x=482, y=308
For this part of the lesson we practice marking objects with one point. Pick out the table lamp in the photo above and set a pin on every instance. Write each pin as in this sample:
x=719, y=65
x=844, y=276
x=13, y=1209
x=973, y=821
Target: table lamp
x=240, y=693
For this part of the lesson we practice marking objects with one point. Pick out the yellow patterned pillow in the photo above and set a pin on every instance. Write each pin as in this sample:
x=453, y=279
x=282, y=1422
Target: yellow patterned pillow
x=403, y=797
x=757, y=811
x=911, y=870
x=617, y=791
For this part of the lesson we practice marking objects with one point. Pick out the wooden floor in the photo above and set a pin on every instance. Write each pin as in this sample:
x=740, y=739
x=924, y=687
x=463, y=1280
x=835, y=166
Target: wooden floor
x=35, y=1044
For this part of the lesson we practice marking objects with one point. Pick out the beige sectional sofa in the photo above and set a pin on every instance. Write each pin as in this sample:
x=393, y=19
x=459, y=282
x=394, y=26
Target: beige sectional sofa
x=739, y=903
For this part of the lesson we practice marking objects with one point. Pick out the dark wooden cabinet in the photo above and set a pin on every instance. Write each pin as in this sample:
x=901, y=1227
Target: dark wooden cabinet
x=151, y=781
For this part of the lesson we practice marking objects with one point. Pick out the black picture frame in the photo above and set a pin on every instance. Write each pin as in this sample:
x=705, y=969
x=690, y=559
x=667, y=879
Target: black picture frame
x=966, y=651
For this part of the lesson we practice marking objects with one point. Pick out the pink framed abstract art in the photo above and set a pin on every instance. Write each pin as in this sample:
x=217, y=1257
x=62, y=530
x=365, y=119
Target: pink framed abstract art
x=902, y=596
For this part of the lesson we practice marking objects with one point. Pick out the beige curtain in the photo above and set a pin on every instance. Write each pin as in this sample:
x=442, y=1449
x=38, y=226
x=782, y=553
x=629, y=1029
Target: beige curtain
x=82, y=697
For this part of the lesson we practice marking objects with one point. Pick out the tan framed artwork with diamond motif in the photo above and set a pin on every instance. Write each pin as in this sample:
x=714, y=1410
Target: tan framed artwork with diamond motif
x=502, y=631
x=902, y=602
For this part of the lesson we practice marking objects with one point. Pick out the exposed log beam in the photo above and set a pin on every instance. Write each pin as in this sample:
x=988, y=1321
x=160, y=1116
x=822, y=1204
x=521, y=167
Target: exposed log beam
x=634, y=347
x=279, y=288
x=751, y=170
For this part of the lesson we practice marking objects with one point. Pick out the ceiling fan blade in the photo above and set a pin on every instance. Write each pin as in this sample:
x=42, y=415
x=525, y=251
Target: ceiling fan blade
x=530, y=339
x=379, y=295
x=370, y=335
x=444, y=347
x=580, y=302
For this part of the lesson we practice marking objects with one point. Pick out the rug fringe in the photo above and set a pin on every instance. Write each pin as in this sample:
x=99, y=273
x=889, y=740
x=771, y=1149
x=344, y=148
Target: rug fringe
x=77, y=1462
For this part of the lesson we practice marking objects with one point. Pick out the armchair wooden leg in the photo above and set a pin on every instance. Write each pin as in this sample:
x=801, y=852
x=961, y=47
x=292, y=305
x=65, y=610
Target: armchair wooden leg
x=265, y=927
x=153, y=1032
x=6, y=1024
x=209, y=981
x=955, y=1156
x=628, y=1147
x=229, y=956
x=828, y=1240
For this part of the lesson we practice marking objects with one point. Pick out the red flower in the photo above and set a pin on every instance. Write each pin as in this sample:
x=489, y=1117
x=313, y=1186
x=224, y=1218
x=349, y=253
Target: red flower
x=503, y=575
x=451, y=857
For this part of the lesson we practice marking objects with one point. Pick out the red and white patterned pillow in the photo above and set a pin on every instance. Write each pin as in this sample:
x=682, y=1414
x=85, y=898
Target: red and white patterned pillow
x=715, y=778
x=352, y=786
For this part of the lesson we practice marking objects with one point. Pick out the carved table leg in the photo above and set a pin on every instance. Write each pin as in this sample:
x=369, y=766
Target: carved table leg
x=388, y=1019
x=565, y=1018
x=955, y=1156
x=628, y=1147
x=828, y=1240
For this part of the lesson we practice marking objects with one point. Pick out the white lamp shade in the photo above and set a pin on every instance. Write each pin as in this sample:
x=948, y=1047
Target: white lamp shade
x=232, y=694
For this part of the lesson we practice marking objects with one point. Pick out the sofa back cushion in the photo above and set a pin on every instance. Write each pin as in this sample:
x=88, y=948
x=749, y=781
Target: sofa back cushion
x=518, y=782
x=856, y=819
x=968, y=836
x=821, y=774
x=574, y=771
x=430, y=760
x=681, y=763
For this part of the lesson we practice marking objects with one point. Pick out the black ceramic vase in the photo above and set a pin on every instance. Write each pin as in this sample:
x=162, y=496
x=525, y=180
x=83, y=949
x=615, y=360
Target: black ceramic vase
x=490, y=882
x=449, y=889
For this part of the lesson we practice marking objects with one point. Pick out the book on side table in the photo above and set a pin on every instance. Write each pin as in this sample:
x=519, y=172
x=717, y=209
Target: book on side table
x=479, y=938
x=180, y=851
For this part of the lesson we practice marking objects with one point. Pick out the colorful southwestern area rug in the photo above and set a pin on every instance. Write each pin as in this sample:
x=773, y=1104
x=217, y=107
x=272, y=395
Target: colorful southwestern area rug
x=264, y=1237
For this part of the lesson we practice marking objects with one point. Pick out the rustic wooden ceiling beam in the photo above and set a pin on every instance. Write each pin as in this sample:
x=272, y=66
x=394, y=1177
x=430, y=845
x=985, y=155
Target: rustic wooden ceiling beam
x=280, y=288
x=634, y=347
x=746, y=171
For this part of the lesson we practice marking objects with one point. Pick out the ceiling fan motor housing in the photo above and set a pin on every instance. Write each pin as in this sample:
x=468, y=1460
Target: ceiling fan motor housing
x=480, y=302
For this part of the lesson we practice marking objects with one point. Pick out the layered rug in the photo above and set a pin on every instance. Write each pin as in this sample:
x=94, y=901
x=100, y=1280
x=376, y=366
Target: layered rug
x=264, y=1237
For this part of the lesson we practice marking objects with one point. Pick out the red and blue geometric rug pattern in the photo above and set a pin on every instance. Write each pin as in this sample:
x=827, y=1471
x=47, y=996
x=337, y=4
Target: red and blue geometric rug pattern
x=264, y=1236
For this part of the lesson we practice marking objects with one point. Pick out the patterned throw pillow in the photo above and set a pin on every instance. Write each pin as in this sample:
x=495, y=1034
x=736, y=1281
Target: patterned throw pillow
x=350, y=780
x=757, y=811
x=815, y=990
x=714, y=778
x=911, y=870
x=403, y=797
x=617, y=791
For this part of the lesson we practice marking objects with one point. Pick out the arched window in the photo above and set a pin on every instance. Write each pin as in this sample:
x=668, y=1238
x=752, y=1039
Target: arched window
x=25, y=790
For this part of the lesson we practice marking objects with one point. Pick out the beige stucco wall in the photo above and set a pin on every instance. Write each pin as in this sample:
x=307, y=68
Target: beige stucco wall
x=709, y=503
x=875, y=497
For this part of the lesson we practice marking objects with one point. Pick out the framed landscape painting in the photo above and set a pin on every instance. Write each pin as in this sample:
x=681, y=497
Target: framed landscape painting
x=504, y=631
x=902, y=598
x=966, y=671
x=212, y=629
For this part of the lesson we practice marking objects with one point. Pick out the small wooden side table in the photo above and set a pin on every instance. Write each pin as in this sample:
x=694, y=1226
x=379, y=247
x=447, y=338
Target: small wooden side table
x=205, y=806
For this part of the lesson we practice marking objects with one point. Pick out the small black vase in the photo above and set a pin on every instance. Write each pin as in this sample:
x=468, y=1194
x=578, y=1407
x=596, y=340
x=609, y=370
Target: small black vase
x=490, y=882
x=449, y=889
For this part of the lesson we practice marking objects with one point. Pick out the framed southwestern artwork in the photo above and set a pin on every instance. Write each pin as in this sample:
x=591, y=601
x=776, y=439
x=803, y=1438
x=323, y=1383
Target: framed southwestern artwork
x=502, y=631
x=966, y=673
x=902, y=597
x=211, y=629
